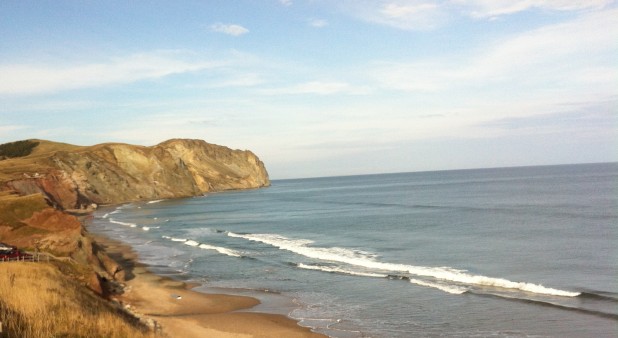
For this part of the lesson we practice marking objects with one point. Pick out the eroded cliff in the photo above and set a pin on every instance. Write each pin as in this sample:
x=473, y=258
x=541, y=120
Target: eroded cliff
x=73, y=177
x=44, y=185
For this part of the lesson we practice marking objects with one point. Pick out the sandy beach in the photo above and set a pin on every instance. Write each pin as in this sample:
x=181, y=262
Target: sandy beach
x=183, y=312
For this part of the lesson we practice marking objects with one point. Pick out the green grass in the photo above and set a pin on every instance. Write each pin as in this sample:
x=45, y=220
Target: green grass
x=13, y=209
x=17, y=149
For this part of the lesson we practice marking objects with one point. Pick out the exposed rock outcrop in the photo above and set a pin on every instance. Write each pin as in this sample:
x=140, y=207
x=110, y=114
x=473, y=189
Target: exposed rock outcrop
x=115, y=173
x=43, y=188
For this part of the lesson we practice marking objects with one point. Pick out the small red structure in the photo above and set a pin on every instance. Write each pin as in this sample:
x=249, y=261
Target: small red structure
x=11, y=253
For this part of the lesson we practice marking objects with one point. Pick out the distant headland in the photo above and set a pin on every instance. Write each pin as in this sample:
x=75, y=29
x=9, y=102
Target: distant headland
x=75, y=177
x=47, y=190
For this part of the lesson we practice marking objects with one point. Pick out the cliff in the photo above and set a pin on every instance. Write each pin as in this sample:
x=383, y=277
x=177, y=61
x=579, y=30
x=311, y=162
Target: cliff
x=73, y=177
x=44, y=185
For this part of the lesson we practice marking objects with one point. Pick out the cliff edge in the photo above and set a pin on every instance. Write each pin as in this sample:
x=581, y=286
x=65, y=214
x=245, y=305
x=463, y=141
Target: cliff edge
x=73, y=177
x=44, y=185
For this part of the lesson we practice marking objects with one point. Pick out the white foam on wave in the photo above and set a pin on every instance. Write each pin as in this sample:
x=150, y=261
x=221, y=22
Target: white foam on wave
x=192, y=243
x=132, y=225
x=340, y=270
x=221, y=250
x=300, y=246
x=110, y=213
x=155, y=201
x=456, y=290
x=363, y=259
x=174, y=239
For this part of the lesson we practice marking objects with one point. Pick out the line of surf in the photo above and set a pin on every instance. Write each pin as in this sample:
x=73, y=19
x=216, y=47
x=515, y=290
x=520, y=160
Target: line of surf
x=368, y=260
x=111, y=213
x=452, y=289
x=190, y=242
x=340, y=270
x=131, y=225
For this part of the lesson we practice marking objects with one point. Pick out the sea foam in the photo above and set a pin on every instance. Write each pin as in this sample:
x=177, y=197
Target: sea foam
x=367, y=260
x=453, y=289
x=221, y=250
x=132, y=225
x=341, y=270
x=190, y=242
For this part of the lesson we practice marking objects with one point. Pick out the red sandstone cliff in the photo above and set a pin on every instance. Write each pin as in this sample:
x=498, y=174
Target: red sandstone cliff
x=115, y=173
x=39, y=185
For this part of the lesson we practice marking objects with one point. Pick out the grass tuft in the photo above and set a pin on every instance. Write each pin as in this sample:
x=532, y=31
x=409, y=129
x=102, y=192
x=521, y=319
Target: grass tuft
x=36, y=300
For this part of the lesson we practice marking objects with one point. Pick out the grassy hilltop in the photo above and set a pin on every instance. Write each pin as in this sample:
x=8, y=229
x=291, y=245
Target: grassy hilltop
x=44, y=185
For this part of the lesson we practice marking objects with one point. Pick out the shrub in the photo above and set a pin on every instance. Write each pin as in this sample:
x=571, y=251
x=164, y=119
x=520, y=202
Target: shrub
x=17, y=149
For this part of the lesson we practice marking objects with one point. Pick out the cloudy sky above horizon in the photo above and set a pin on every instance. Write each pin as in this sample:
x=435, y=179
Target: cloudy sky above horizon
x=320, y=87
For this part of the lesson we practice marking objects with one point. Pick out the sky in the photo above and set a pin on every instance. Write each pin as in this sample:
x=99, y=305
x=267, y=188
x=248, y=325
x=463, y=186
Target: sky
x=320, y=87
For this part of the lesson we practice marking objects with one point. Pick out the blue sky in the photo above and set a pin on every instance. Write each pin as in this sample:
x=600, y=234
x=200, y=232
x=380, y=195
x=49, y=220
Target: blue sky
x=320, y=87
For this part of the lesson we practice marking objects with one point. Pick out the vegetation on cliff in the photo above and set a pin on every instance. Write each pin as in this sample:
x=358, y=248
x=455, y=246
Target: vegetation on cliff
x=73, y=177
x=43, y=185
x=17, y=149
x=37, y=300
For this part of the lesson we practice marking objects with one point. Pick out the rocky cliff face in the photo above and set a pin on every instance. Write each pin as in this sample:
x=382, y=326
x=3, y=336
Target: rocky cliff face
x=69, y=177
x=117, y=173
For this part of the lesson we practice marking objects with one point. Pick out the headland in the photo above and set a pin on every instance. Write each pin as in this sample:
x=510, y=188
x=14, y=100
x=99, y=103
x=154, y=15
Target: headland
x=47, y=189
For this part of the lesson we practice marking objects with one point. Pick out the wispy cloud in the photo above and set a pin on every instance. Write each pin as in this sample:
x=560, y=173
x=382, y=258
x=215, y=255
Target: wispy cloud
x=238, y=80
x=431, y=14
x=395, y=10
x=318, y=23
x=229, y=29
x=317, y=88
x=561, y=54
x=7, y=130
x=493, y=8
x=402, y=14
x=285, y=2
x=43, y=78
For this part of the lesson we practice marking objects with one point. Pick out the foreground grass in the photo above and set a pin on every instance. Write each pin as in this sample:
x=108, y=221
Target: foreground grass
x=36, y=300
x=14, y=208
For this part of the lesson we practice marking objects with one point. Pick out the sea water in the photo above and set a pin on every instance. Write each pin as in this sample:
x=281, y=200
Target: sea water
x=528, y=251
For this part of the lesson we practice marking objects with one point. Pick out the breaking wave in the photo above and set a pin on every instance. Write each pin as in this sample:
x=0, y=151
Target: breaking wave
x=369, y=261
x=131, y=225
x=452, y=289
x=190, y=242
x=111, y=213
x=340, y=270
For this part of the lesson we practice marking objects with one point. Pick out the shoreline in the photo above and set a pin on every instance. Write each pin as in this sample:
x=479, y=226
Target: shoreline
x=179, y=310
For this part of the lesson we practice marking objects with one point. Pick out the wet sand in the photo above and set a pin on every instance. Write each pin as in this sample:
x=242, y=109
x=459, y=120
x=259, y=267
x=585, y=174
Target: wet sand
x=183, y=312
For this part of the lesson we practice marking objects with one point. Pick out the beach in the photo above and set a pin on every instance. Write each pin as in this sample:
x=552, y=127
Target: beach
x=484, y=252
x=179, y=311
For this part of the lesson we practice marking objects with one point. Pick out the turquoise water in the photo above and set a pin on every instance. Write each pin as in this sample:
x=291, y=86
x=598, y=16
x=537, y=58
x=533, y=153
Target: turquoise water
x=490, y=252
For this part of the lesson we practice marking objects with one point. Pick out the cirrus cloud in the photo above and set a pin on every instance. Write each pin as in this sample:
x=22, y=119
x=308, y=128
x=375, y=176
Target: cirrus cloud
x=229, y=29
x=44, y=78
x=422, y=15
x=493, y=8
x=317, y=88
x=318, y=23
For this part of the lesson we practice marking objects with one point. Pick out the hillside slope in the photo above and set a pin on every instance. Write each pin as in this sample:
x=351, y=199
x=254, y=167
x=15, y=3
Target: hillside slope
x=73, y=177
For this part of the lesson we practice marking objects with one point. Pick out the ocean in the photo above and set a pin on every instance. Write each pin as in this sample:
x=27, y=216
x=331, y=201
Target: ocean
x=508, y=252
